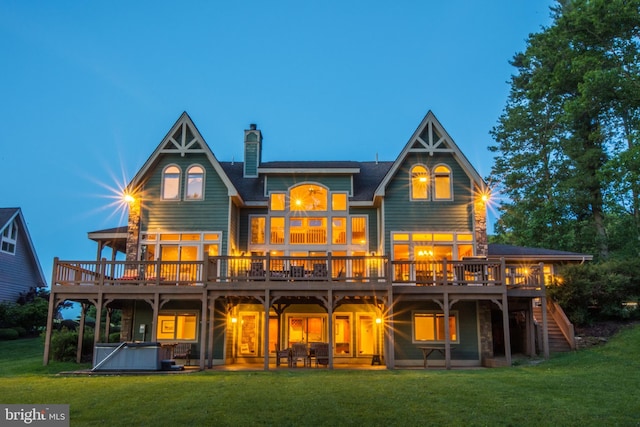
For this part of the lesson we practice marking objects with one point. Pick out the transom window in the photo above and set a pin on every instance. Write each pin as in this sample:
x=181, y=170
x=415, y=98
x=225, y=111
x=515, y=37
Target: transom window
x=430, y=327
x=9, y=238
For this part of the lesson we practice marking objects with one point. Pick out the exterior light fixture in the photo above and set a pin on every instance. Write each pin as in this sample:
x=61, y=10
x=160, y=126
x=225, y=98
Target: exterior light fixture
x=129, y=198
x=378, y=320
x=234, y=320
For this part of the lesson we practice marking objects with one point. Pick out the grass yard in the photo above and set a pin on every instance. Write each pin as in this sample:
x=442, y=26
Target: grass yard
x=593, y=387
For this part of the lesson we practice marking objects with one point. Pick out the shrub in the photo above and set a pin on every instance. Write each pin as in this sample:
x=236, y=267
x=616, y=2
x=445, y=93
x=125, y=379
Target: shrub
x=64, y=345
x=22, y=332
x=593, y=292
x=8, y=334
x=114, y=337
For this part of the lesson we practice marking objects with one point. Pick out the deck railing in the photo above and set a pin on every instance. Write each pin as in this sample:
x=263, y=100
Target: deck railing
x=328, y=268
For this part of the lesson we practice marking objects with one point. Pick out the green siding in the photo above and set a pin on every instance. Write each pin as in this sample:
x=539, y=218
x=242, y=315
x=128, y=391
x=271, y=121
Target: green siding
x=251, y=158
x=372, y=215
x=402, y=214
x=210, y=214
x=466, y=349
x=333, y=183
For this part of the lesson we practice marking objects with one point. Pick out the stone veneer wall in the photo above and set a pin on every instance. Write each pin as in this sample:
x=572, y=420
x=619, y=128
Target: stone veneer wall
x=486, y=331
x=480, y=225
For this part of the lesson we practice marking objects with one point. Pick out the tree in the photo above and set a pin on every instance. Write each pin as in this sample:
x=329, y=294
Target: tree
x=567, y=140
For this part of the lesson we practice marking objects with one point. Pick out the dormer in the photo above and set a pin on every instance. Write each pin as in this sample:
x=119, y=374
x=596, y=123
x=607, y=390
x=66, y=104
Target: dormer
x=252, y=151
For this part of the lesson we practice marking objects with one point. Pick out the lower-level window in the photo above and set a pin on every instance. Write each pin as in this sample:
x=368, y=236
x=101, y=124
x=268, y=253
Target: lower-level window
x=429, y=327
x=177, y=326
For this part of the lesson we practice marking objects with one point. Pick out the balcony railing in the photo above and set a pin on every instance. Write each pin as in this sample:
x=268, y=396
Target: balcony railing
x=254, y=269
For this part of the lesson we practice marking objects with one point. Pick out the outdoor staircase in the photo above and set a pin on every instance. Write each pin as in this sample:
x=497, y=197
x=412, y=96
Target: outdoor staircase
x=557, y=341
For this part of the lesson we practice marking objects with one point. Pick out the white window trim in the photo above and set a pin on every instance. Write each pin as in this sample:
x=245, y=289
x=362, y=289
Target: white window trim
x=435, y=197
x=163, y=180
x=428, y=186
x=186, y=184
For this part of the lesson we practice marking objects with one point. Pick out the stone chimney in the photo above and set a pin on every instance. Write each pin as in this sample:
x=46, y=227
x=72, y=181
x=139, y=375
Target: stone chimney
x=252, y=151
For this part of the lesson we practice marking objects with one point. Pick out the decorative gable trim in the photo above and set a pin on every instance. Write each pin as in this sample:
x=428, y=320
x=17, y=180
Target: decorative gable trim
x=430, y=137
x=183, y=138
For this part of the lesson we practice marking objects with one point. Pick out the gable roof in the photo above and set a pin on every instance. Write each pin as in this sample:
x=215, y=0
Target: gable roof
x=7, y=216
x=424, y=140
x=182, y=138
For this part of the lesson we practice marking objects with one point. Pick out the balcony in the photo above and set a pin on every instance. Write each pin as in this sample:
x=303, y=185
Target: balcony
x=277, y=271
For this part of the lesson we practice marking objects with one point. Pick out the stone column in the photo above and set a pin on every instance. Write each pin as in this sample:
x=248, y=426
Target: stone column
x=133, y=230
x=480, y=225
x=486, y=331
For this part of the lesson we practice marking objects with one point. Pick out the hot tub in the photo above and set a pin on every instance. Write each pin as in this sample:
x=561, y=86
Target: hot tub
x=143, y=356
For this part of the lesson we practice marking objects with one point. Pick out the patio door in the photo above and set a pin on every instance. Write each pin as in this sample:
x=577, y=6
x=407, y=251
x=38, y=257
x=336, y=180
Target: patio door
x=179, y=253
x=305, y=329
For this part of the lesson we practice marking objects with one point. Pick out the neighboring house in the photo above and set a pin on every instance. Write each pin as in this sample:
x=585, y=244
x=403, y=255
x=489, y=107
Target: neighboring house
x=20, y=269
x=384, y=261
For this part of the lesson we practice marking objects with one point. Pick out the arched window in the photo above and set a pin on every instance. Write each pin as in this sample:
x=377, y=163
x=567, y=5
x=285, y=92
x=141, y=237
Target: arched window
x=171, y=183
x=442, y=183
x=195, y=183
x=308, y=197
x=419, y=183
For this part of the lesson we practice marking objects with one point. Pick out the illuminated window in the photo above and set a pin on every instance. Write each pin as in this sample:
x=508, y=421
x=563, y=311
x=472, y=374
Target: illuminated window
x=276, y=201
x=339, y=231
x=277, y=230
x=308, y=197
x=10, y=238
x=419, y=183
x=442, y=183
x=177, y=326
x=358, y=230
x=430, y=327
x=171, y=183
x=258, y=229
x=195, y=183
x=339, y=202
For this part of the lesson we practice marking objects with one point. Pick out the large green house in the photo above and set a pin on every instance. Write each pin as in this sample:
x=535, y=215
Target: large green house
x=378, y=262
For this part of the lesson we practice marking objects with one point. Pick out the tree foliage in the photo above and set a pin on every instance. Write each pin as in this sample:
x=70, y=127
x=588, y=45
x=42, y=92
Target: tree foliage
x=567, y=144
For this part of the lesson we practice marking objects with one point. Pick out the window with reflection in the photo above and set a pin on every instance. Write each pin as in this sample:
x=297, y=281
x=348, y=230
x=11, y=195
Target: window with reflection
x=171, y=183
x=277, y=201
x=195, y=183
x=258, y=229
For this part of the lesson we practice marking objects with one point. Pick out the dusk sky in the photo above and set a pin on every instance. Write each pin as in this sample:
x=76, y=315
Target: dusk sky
x=89, y=89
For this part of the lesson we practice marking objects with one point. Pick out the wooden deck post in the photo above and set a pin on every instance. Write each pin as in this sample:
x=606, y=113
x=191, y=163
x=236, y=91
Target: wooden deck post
x=50, y=313
x=447, y=340
x=203, y=328
x=83, y=310
x=330, y=326
x=545, y=327
x=505, y=326
x=265, y=346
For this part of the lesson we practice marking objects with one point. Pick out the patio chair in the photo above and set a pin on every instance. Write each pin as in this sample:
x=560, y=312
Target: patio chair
x=283, y=354
x=322, y=354
x=299, y=351
x=320, y=270
x=182, y=351
x=257, y=271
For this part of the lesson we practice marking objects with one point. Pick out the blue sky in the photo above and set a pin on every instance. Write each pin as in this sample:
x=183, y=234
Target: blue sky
x=89, y=89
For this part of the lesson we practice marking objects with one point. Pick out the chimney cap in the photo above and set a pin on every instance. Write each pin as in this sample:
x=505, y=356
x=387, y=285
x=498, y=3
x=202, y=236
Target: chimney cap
x=252, y=126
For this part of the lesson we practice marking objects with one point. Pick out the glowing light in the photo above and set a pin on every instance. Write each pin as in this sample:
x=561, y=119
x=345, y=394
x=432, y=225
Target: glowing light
x=234, y=320
x=129, y=198
x=378, y=320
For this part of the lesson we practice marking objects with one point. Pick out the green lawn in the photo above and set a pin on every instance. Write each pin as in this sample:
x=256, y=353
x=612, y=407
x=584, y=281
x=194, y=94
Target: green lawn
x=599, y=386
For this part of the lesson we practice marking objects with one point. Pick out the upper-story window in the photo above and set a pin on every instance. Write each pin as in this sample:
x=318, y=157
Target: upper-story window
x=308, y=197
x=171, y=183
x=419, y=183
x=9, y=238
x=195, y=183
x=442, y=183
